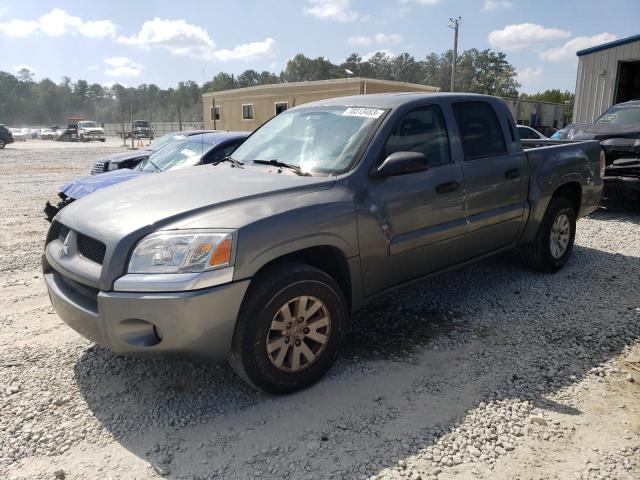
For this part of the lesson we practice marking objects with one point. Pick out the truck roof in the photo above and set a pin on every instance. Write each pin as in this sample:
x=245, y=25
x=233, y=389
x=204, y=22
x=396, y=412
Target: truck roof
x=394, y=100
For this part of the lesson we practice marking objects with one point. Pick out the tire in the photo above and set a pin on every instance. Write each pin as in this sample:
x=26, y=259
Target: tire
x=540, y=254
x=283, y=288
x=2, y=144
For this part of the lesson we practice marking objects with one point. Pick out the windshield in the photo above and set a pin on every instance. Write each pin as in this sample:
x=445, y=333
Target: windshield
x=165, y=140
x=177, y=155
x=321, y=139
x=89, y=124
x=621, y=116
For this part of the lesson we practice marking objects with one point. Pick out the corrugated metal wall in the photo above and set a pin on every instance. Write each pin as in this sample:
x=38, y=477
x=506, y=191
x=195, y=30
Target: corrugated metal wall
x=597, y=79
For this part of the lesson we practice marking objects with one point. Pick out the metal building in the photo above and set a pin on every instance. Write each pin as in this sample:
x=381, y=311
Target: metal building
x=607, y=74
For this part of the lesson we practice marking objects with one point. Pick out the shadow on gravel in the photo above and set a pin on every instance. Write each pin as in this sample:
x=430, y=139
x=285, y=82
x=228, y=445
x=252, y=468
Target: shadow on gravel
x=416, y=362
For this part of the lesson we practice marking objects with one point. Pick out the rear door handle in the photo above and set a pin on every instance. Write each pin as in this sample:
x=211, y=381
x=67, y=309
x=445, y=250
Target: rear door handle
x=448, y=187
x=512, y=174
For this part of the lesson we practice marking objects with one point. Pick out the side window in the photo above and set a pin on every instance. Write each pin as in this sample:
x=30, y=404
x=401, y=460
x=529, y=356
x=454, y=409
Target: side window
x=525, y=133
x=221, y=152
x=421, y=130
x=247, y=111
x=480, y=130
x=215, y=113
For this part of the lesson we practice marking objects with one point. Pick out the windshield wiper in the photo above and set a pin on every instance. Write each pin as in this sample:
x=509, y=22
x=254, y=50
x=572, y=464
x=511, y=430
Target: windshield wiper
x=290, y=166
x=158, y=169
x=236, y=163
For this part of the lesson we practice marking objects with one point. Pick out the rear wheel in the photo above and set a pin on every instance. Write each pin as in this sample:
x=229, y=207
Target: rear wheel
x=290, y=328
x=553, y=244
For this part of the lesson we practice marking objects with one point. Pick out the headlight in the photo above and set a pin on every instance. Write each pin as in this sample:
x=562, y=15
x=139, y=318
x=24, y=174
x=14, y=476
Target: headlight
x=112, y=166
x=182, y=252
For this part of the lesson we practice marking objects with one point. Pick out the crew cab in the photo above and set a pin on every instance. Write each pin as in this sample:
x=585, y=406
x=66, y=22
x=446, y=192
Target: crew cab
x=187, y=152
x=262, y=258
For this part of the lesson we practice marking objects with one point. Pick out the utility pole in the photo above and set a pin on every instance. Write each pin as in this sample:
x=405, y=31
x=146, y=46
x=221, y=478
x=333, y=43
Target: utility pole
x=454, y=23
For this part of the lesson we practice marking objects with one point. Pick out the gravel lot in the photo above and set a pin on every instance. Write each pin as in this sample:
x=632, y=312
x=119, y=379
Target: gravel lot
x=490, y=372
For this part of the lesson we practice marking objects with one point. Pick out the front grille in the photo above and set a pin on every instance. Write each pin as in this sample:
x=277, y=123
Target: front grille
x=91, y=249
x=99, y=166
x=57, y=231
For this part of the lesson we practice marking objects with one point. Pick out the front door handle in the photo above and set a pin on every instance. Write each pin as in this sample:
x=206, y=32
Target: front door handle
x=512, y=174
x=448, y=187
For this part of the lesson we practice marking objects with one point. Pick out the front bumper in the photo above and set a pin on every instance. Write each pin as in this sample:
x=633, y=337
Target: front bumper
x=196, y=323
x=621, y=187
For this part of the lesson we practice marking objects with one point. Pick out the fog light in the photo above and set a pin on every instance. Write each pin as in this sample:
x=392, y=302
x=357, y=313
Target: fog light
x=138, y=333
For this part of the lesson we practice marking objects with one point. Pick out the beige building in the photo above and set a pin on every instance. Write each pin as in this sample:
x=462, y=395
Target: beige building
x=245, y=109
x=607, y=74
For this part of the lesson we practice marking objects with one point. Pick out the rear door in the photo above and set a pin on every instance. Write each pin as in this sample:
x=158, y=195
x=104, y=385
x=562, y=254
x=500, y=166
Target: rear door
x=413, y=224
x=495, y=173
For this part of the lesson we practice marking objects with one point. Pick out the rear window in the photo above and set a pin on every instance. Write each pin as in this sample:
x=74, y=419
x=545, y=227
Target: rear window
x=480, y=130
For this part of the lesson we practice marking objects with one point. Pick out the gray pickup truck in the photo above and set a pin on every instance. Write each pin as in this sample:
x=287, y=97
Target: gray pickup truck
x=261, y=258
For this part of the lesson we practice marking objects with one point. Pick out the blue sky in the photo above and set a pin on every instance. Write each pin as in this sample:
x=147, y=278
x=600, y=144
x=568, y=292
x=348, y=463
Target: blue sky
x=165, y=42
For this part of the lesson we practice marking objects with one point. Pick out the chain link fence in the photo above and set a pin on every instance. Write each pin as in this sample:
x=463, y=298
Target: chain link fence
x=161, y=128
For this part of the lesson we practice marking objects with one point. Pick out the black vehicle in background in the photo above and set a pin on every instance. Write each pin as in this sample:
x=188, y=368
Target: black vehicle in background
x=6, y=136
x=139, y=129
x=618, y=131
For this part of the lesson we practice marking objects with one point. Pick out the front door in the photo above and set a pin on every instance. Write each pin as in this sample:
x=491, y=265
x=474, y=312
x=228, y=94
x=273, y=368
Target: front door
x=410, y=225
x=495, y=178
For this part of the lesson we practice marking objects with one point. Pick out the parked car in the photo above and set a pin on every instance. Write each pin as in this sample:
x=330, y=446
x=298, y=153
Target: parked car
x=263, y=258
x=131, y=158
x=618, y=131
x=190, y=151
x=20, y=134
x=6, y=137
x=89, y=130
x=139, y=129
x=528, y=133
x=47, y=134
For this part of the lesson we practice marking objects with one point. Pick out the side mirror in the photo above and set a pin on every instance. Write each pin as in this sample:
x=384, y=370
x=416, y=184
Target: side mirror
x=401, y=163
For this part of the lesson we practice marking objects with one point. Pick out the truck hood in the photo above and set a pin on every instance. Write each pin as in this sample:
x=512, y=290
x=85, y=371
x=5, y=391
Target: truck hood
x=153, y=201
x=600, y=131
x=84, y=186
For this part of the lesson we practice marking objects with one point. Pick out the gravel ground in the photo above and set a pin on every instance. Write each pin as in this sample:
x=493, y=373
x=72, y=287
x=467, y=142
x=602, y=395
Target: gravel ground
x=489, y=372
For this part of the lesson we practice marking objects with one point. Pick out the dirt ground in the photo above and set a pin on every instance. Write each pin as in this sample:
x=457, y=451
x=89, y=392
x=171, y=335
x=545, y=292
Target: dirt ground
x=489, y=372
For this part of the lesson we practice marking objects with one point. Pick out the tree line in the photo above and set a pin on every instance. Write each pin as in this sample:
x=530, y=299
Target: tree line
x=24, y=101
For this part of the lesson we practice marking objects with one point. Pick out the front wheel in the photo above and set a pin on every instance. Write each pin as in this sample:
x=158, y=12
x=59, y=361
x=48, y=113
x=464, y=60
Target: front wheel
x=553, y=244
x=290, y=328
x=2, y=144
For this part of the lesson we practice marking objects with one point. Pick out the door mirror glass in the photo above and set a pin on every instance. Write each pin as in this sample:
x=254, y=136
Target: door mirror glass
x=402, y=163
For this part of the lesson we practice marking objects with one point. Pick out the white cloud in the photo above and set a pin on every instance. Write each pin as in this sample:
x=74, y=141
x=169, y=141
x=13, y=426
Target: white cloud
x=379, y=38
x=338, y=10
x=529, y=75
x=247, y=51
x=17, y=68
x=122, y=67
x=569, y=49
x=519, y=36
x=385, y=51
x=490, y=5
x=98, y=29
x=3, y=10
x=57, y=23
x=18, y=28
x=182, y=38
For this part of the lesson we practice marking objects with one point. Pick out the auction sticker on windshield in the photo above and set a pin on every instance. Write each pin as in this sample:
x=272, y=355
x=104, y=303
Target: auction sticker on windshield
x=188, y=153
x=363, y=112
